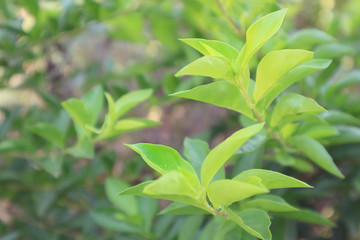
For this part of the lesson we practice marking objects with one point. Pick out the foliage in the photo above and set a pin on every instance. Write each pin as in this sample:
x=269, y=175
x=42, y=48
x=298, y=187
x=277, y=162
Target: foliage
x=63, y=162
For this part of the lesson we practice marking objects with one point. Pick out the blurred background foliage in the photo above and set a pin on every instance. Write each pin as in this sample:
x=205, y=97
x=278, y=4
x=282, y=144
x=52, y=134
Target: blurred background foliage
x=52, y=50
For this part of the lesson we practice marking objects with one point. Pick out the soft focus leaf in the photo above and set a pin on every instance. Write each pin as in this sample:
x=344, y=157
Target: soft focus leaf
x=81, y=113
x=269, y=202
x=317, y=153
x=177, y=208
x=127, y=204
x=293, y=104
x=131, y=100
x=48, y=132
x=254, y=221
x=307, y=38
x=306, y=215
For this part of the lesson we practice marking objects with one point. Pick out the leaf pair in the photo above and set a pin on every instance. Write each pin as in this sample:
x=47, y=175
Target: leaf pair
x=85, y=113
x=179, y=180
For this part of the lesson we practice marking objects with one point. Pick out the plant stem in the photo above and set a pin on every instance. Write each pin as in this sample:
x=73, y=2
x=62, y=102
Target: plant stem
x=260, y=118
x=230, y=20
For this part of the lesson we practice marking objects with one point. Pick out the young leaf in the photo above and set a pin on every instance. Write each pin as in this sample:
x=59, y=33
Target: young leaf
x=271, y=179
x=49, y=132
x=82, y=149
x=161, y=158
x=293, y=104
x=177, y=208
x=127, y=204
x=51, y=164
x=254, y=221
x=220, y=93
x=259, y=33
x=208, y=66
x=130, y=100
x=290, y=78
x=196, y=151
x=225, y=192
x=269, y=202
x=133, y=124
x=81, y=113
x=221, y=153
x=139, y=191
x=273, y=66
x=317, y=153
x=95, y=99
x=306, y=215
x=209, y=47
x=172, y=183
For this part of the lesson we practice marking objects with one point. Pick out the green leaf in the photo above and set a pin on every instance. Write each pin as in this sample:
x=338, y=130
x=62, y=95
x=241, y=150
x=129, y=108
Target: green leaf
x=196, y=151
x=290, y=78
x=95, y=99
x=51, y=164
x=110, y=219
x=254, y=221
x=82, y=149
x=127, y=125
x=130, y=100
x=307, y=38
x=148, y=208
x=139, y=191
x=269, y=202
x=273, y=66
x=48, y=132
x=351, y=79
x=133, y=124
x=81, y=113
x=212, y=47
x=306, y=215
x=161, y=158
x=271, y=179
x=221, y=153
x=208, y=66
x=190, y=227
x=225, y=192
x=220, y=93
x=317, y=130
x=177, y=208
x=173, y=183
x=317, y=153
x=294, y=104
x=337, y=117
x=259, y=33
x=127, y=204
x=347, y=135
x=333, y=50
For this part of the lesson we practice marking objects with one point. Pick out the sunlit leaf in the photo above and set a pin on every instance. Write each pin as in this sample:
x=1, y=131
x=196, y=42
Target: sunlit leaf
x=221, y=153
